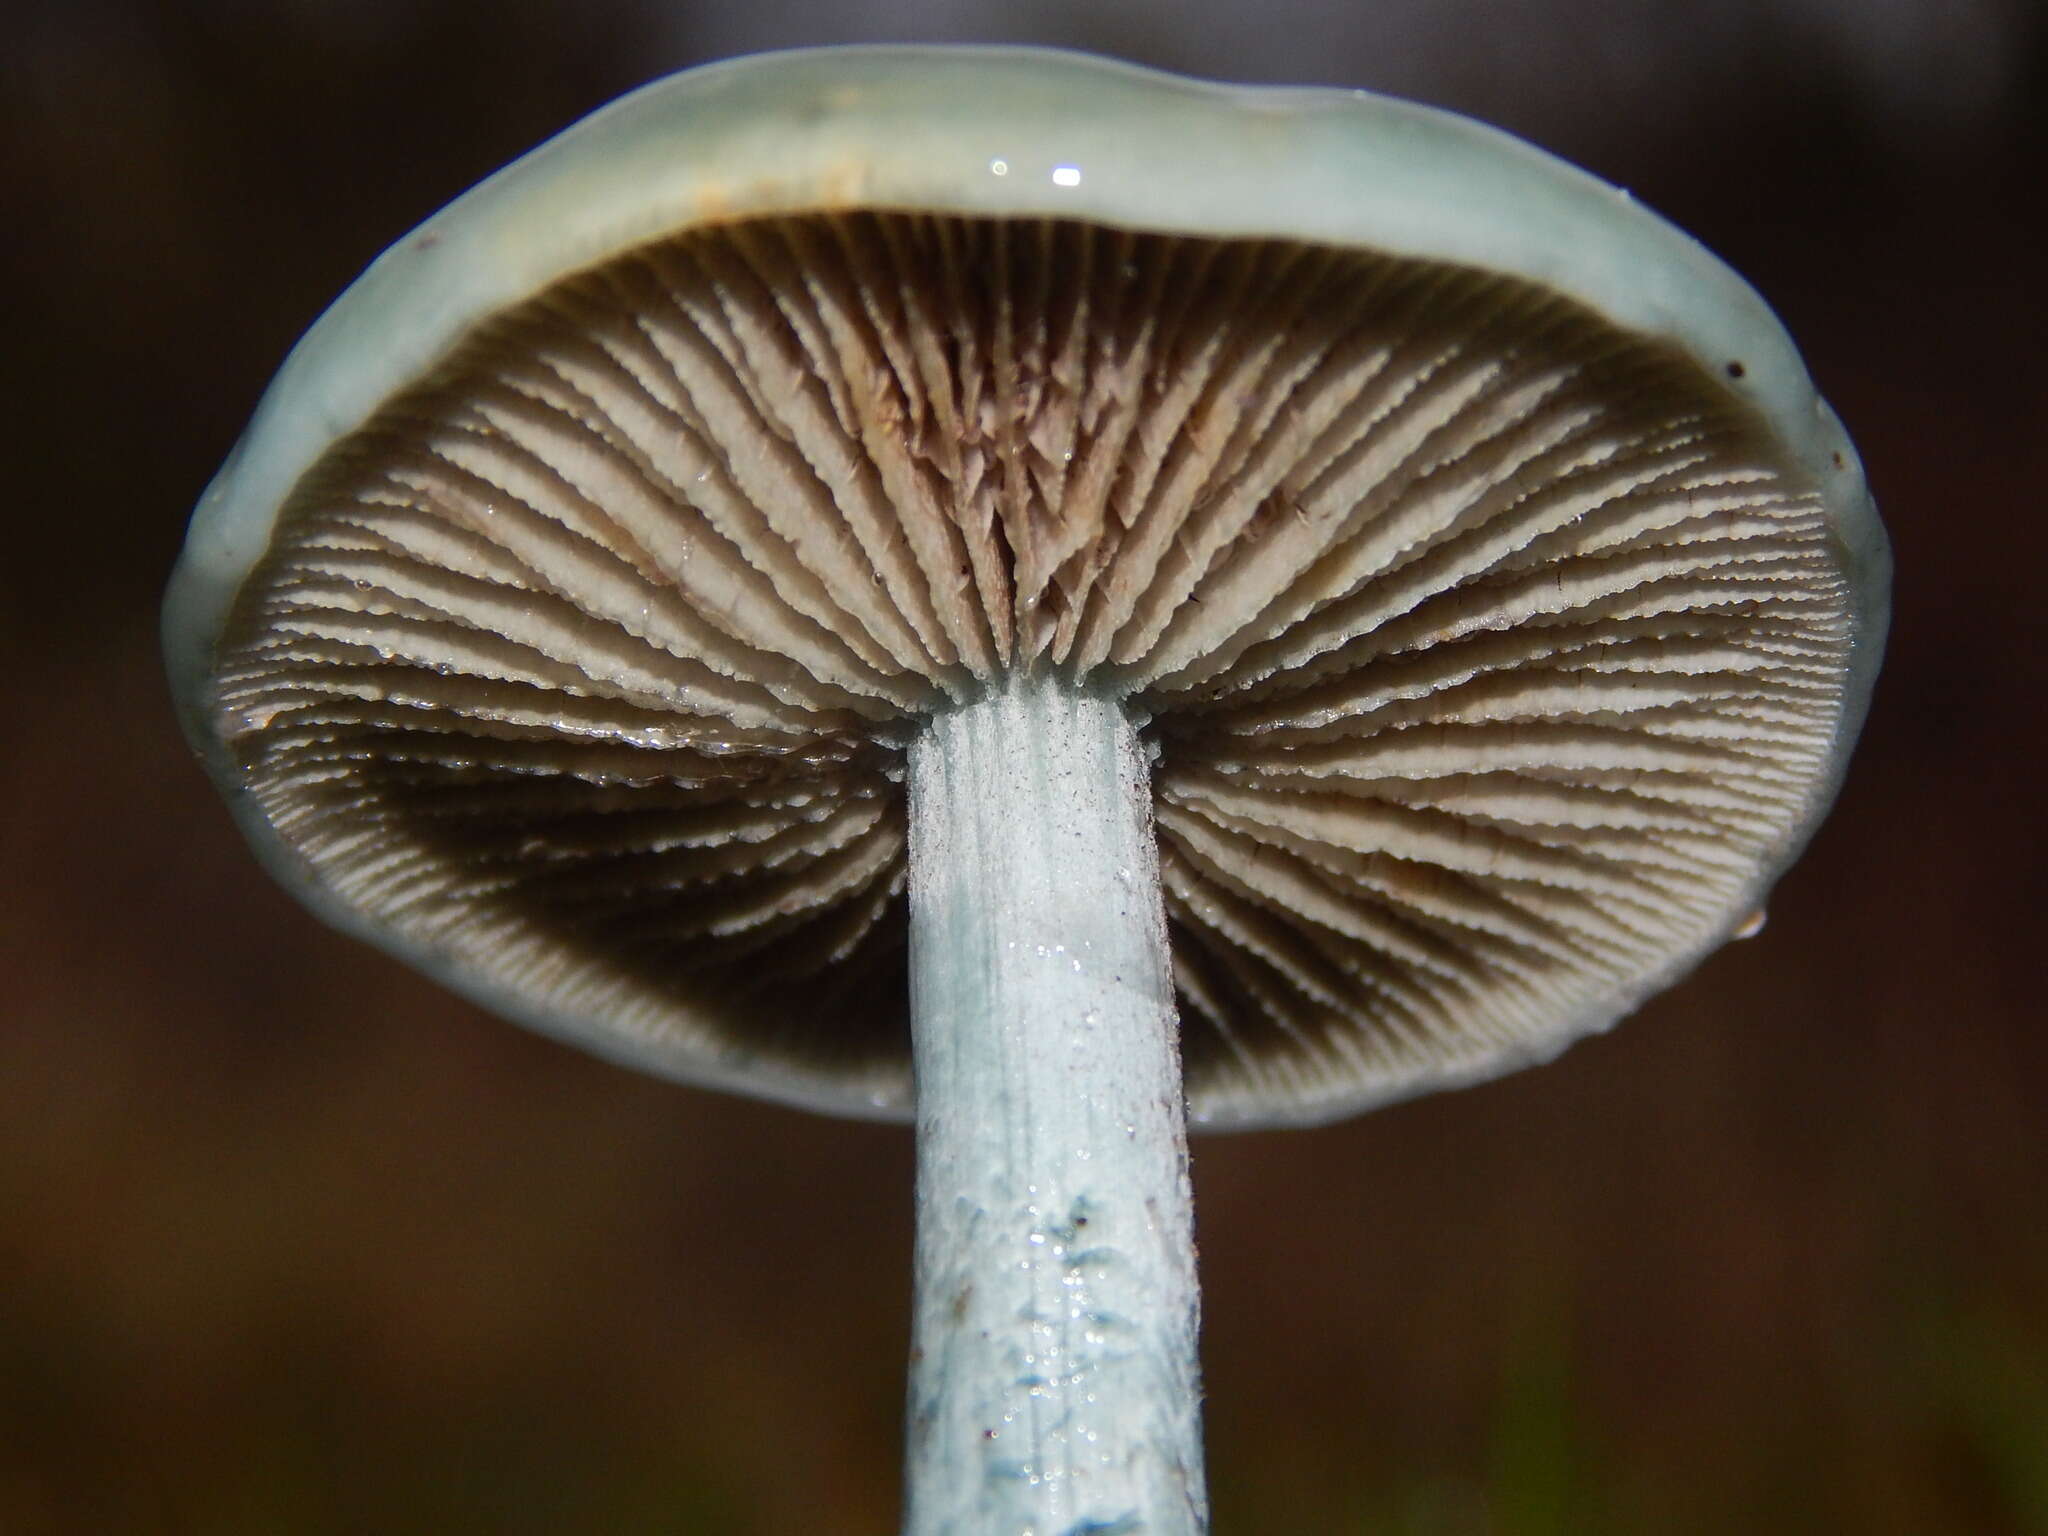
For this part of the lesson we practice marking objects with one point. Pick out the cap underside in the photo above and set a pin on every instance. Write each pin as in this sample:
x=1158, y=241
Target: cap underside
x=1494, y=654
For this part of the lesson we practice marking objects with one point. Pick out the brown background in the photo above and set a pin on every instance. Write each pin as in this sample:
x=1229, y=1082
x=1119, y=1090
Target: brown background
x=291, y=1242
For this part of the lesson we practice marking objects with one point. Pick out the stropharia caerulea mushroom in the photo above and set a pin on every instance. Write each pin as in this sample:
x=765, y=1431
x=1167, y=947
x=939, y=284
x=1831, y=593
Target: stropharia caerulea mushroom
x=974, y=580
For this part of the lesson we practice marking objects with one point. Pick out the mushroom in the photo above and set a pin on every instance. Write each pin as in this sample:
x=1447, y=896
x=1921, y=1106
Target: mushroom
x=967, y=582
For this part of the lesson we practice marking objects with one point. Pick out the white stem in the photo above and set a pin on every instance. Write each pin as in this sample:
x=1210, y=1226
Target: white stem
x=1053, y=1383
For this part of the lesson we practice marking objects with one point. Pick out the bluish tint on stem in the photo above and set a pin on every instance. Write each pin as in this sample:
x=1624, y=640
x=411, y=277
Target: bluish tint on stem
x=1053, y=1384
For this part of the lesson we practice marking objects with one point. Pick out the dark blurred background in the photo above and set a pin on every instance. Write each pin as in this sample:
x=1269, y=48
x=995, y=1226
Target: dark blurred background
x=292, y=1242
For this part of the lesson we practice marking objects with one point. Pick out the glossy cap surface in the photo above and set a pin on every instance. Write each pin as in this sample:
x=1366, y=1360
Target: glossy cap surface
x=1502, y=598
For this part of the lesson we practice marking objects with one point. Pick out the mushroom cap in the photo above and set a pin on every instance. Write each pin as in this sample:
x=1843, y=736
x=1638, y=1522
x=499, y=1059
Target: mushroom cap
x=1502, y=598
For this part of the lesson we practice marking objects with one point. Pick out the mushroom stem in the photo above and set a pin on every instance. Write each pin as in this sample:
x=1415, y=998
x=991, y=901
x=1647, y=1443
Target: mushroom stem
x=1053, y=1378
